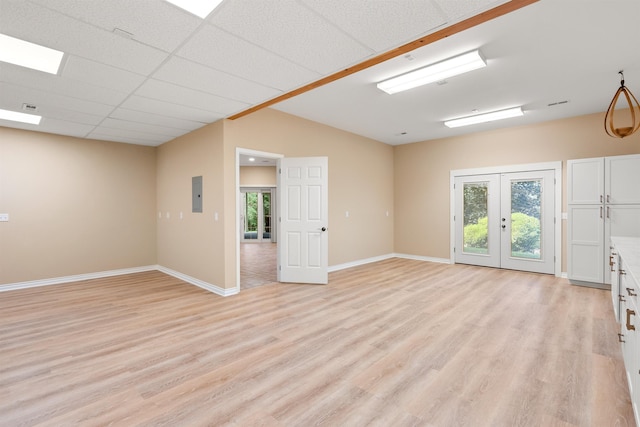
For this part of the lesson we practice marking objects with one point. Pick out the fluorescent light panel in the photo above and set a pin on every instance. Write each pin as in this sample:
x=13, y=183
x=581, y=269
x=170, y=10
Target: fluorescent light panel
x=486, y=117
x=201, y=8
x=435, y=72
x=15, y=116
x=30, y=55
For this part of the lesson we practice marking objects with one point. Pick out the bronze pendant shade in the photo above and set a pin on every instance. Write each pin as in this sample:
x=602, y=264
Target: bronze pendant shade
x=634, y=111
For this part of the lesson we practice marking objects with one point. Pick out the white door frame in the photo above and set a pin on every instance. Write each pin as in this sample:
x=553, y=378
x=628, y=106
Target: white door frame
x=248, y=152
x=555, y=166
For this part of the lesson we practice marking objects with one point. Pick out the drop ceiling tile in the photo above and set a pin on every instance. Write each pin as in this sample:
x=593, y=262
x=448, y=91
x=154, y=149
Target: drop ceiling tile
x=381, y=25
x=292, y=31
x=155, y=119
x=163, y=91
x=32, y=79
x=62, y=127
x=244, y=60
x=151, y=138
x=457, y=10
x=162, y=108
x=19, y=18
x=155, y=23
x=95, y=73
x=49, y=102
x=199, y=77
x=142, y=127
x=123, y=139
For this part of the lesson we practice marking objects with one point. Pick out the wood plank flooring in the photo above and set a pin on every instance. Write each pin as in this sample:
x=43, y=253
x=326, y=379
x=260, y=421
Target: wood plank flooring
x=395, y=343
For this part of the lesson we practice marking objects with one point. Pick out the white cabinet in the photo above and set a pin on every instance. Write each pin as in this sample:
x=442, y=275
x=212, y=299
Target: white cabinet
x=603, y=197
x=625, y=277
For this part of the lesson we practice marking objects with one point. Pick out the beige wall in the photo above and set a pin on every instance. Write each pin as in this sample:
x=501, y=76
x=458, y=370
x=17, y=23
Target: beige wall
x=422, y=171
x=194, y=244
x=83, y=206
x=360, y=177
x=258, y=176
x=76, y=206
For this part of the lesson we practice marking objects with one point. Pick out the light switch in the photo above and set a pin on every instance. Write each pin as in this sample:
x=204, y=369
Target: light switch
x=346, y=214
x=4, y=217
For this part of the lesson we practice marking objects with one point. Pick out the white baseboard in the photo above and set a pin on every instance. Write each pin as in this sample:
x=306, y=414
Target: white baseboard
x=423, y=258
x=359, y=262
x=192, y=280
x=385, y=257
x=99, y=275
x=74, y=278
x=199, y=283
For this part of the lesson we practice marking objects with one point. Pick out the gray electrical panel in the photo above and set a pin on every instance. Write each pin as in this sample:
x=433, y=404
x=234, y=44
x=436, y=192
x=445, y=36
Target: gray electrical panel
x=196, y=194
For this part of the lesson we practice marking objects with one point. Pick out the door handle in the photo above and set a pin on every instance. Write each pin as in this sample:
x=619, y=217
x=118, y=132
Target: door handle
x=630, y=313
x=323, y=229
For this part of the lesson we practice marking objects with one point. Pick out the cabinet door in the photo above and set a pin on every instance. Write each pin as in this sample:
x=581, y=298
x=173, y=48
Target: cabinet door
x=585, y=181
x=620, y=221
x=622, y=178
x=585, y=247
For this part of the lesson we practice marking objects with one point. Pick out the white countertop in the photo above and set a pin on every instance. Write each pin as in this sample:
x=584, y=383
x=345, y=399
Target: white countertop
x=629, y=249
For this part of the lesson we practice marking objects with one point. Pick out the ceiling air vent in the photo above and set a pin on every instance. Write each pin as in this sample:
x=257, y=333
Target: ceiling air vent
x=29, y=108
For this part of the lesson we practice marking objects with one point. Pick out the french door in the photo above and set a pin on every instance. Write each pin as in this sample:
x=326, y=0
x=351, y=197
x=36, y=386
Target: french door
x=256, y=216
x=506, y=220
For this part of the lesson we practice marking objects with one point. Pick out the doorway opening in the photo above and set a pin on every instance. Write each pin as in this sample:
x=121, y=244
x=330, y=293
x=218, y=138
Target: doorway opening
x=256, y=241
x=508, y=217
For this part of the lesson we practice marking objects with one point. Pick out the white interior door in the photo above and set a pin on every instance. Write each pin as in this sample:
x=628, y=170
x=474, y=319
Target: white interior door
x=506, y=220
x=303, y=251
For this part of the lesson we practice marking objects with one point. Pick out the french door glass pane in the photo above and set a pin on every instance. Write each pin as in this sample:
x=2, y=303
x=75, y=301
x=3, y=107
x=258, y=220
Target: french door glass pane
x=251, y=216
x=476, y=223
x=266, y=214
x=526, y=207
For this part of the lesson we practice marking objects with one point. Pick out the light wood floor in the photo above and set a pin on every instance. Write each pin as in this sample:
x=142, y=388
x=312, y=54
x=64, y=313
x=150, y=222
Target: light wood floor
x=257, y=264
x=396, y=343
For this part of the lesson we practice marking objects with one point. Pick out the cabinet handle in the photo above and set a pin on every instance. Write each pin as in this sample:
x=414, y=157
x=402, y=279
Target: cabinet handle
x=600, y=211
x=601, y=198
x=631, y=293
x=608, y=198
x=620, y=338
x=623, y=273
x=608, y=215
x=630, y=313
x=621, y=298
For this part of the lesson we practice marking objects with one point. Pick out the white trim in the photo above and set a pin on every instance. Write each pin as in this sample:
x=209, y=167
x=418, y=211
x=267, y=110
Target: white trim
x=386, y=257
x=424, y=258
x=102, y=274
x=359, y=262
x=199, y=283
x=555, y=166
x=75, y=278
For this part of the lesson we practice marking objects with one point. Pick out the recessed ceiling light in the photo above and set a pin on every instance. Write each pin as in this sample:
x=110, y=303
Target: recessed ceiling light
x=30, y=55
x=15, y=116
x=434, y=73
x=251, y=159
x=486, y=117
x=201, y=8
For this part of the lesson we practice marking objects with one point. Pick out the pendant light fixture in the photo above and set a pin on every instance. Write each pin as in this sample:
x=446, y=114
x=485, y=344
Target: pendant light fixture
x=621, y=132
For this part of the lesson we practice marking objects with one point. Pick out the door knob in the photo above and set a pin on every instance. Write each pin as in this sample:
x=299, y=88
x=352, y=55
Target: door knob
x=324, y=229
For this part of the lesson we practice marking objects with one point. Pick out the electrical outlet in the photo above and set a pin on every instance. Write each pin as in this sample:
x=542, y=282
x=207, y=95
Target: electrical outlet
x=4, y=217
